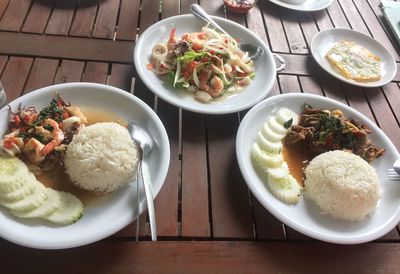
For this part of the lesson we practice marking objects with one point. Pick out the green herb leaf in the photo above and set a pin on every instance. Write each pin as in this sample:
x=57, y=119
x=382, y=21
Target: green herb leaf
x=288, y=123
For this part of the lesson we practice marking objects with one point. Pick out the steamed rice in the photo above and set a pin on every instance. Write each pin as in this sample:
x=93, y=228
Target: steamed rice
x=343, y=185
x=102, y=158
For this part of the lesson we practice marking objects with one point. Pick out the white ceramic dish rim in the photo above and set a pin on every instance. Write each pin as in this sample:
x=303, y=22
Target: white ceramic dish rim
x=303, y=6
x=118, y=222
x=204, y=108
x=314, y=49
x=242, y=158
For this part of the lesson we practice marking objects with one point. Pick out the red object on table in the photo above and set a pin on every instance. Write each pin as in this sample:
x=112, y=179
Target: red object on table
x=239, y=6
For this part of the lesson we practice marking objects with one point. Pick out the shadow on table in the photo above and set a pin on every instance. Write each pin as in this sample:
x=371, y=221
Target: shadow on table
x=69, y=4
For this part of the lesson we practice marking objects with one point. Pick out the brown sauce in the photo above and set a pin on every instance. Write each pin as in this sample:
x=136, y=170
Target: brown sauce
x=57, y=178
x=297, y=156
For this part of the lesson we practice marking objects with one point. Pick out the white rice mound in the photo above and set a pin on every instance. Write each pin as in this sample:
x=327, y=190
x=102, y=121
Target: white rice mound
x=102, y=158
x=343, y=185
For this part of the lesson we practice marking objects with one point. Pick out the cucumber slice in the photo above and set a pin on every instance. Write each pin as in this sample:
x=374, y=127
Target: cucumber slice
x=289, y=194
x=11, y=168
x=30, y=202
x=19, y=193
x=52, y=204
x=265, y=160
x=16, y=182
x=70, y=210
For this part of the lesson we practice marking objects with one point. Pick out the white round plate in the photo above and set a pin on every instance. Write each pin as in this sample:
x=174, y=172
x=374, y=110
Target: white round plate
x=305, y=216
x=258, y=89
x=108, y=214
x=323, y=41
x=307, y=5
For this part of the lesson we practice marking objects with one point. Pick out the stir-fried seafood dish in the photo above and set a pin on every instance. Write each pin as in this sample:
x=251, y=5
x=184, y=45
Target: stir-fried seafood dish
x=207, y=63
x=324, y=130
x=42, y=136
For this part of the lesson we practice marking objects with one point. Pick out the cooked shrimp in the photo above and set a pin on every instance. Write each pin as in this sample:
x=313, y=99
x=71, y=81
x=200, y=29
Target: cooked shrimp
x=216, y=85
x=71, y=124
x=56, y=134
x=172, y=39
x=76, y=111
x=33, y=150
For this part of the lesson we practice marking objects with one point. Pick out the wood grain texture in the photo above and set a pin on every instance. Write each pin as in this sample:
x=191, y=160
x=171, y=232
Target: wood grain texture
x=128, y=20
x=106, y=19
x=95, y=72
x=42, y=74
x=274, y=27
x=195, y=203
x=206, y=257
x=14, y=15
x=38, y=16
x=293, y=32
x=15, y=75
x=84, y=19
x=61, y=17
x=149, y=14
x=69, y=71
x=231, y=210
x=337, y=16
x=121, y=76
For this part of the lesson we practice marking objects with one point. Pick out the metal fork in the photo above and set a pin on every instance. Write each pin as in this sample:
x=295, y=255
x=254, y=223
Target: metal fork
x=394, y=173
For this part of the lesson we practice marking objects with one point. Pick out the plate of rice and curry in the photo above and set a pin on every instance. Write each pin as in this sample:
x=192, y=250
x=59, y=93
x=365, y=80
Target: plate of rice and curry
x=320, y=167
x=68, y=164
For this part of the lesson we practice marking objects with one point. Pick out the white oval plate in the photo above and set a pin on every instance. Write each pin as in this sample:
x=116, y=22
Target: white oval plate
x=159, y=32
x=106, y=215
x=305, y=216
x=323, y=41
x=308, y=5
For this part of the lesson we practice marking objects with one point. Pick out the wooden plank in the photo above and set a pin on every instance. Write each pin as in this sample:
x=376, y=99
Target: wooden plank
x=15, y=75
x=106, y=19
x=42, y=74
x=353, y=16
x=391, y=91
x=333, y=89
x=213, y=7
x=195, y=211
x=166, y=203
x=38, y=16
x=357, y=100
x=69, y=71
x=78, y=48
x=220, y=257
x=273, y=23
x=148, y=15
x=267, y=226
x=308, y=26
x=255, y=23
x=375, y=28
x=289, y=83
x=322, y=19
x=230, y=204
x=61, y=17
x=14, y=15
x=3, y=6
x=85, y=16
x=95, y=72
x=310, y=85
x=170, y=8
x=383, y=114
x=337, y=16
x=128, y=20
x=121, y=76
x=3, y=61
x=293, y=32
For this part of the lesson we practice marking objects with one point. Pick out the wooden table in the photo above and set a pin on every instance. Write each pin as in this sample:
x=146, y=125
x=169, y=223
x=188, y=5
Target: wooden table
x=208, y=221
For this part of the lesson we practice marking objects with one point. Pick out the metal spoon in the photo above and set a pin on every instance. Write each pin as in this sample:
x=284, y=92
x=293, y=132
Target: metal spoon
x=145, y=142
x=253, y=50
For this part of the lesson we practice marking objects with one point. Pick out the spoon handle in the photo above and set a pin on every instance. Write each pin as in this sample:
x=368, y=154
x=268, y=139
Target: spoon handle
x=149, y=198
x=199, y=12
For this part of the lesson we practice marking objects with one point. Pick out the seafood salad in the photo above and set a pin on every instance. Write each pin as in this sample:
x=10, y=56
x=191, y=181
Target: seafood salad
x=42, y=137
x=206, y=63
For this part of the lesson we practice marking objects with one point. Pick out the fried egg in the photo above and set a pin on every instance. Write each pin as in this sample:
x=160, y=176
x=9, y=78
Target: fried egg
x=354, y=62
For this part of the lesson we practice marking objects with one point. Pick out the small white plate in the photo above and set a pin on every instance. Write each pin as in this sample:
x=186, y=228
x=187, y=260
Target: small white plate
x=307, y=5
x=258, y=89
x=323, y=41
x=108, y=214
x=305, y=216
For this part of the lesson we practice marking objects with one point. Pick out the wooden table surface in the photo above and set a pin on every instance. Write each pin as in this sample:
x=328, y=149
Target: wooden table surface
x=208, y=221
